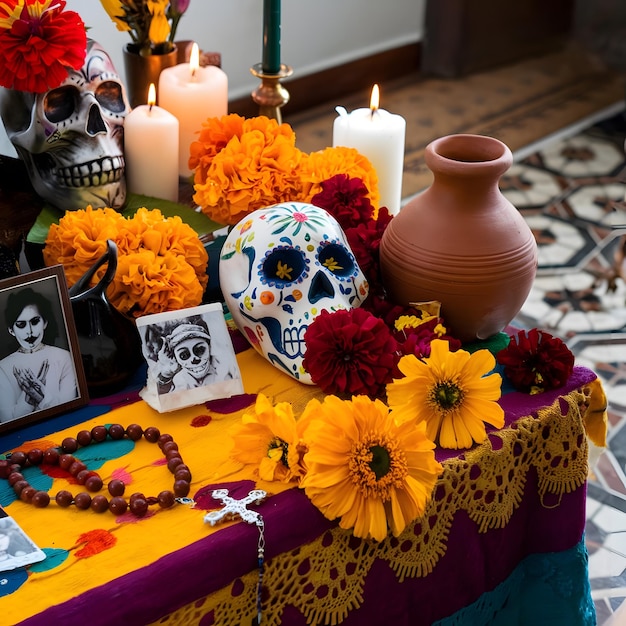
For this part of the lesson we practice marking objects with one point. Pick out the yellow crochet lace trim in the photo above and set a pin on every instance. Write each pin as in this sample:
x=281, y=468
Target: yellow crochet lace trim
x=325, y=579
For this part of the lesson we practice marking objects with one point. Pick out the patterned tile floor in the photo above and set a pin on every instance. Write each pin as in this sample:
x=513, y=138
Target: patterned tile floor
x=571, y=191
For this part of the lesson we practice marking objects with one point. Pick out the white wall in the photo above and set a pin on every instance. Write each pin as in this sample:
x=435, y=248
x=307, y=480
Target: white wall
x=316, y=34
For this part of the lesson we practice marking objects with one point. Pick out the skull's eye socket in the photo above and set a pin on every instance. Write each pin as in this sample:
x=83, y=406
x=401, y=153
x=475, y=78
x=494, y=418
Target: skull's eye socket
x=283, y=266
x=109, y=96
x=60, y=103
x=337, y=260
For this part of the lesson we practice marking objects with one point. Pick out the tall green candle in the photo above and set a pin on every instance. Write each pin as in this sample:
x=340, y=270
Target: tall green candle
x=271, y=37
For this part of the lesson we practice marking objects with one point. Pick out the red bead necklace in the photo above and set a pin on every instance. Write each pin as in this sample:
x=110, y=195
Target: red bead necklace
x=11, y=469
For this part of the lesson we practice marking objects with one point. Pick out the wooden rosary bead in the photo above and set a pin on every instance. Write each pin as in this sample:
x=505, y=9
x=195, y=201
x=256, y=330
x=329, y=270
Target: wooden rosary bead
x=64, y=498
x=82, y=500
x=4, y=468
x=118, y=505
x=166, y=499
x=19, y=458
x=35, y=456
x=14, y=477
x=27, y=494
x=51, y=456
x=151, y=434
x=99, y=433
x=41, y=499
x=134, y=432
x=99, y=504
x=84, y=437
x=69, y=445
x=65, y=461
x=163, y=439
x=116, y=431
x=138, y=503
x=139, y=507
x=181, y=488
x=116, y=487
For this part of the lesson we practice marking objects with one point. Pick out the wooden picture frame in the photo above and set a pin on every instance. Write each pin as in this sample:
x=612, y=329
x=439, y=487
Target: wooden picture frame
x=48, y=378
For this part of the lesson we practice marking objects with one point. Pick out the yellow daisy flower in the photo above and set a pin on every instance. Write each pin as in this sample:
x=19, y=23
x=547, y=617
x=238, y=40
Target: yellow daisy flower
x=364, y=468
x=270, y=438
x=452, y=392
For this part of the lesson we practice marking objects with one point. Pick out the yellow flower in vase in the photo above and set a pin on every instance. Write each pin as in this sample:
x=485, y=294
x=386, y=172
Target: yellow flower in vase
x=364, y=468
x=454, y=393
x=151, y=24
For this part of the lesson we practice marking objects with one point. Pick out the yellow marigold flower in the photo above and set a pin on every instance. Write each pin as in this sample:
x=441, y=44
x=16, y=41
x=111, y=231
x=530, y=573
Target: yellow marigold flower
x=270, y=438
x=452, y=392
x=366, y=469
x=324, y=164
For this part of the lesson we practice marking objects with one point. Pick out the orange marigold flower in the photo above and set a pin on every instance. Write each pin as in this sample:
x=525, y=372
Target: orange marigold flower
x=79, y=240
x=256, y=168
x=161, y=261
x=149, y=283
x=215, y=134
x=318, y=167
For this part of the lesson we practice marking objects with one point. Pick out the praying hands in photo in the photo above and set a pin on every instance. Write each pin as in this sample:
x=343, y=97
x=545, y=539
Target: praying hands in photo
x=33, y=387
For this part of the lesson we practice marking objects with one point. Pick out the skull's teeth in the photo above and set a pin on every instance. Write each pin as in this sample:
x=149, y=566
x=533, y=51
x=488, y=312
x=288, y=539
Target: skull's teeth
x=94, y=173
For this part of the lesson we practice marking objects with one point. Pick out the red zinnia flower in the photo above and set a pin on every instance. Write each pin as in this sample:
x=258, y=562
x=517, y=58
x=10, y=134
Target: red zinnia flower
x=345, y=199
x=350, y=352
x=536, y=361
x=364, y=240
x=39, y=44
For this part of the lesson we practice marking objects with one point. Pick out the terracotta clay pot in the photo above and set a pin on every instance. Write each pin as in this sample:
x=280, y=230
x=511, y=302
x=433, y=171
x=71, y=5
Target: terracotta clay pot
x=461, y=242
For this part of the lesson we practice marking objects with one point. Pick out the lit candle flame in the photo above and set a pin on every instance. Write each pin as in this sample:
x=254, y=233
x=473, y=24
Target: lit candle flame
x=375, y=99
x=194, y=59
x=151, y=95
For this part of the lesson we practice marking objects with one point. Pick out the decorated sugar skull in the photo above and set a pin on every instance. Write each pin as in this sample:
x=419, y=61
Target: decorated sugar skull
x=71, y=137
x=279, y=268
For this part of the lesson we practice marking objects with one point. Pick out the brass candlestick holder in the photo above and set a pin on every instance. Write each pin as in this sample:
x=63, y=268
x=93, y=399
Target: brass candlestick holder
x=271, y=95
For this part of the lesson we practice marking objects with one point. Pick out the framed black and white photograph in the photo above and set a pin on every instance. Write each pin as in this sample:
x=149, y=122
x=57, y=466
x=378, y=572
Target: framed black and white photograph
x=41, y=372
x=16, y=548
x=190, y=358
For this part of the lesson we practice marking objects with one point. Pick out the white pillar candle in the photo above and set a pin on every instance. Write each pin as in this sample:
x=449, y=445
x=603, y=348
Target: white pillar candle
x=192, y=94
x=379, y=136
x=151, y=151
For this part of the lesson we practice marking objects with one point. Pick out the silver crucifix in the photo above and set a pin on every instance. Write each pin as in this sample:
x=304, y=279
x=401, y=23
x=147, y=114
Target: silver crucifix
x=236, y=508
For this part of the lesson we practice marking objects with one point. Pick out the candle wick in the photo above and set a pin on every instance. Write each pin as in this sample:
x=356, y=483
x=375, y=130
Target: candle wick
x=150, y=105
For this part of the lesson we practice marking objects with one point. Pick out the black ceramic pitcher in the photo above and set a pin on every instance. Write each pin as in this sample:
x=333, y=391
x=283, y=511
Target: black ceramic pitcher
x=109, y=342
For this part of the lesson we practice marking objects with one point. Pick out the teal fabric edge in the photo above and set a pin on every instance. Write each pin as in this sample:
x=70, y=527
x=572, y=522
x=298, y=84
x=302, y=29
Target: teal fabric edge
x=197, y=220
x=550, y=589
